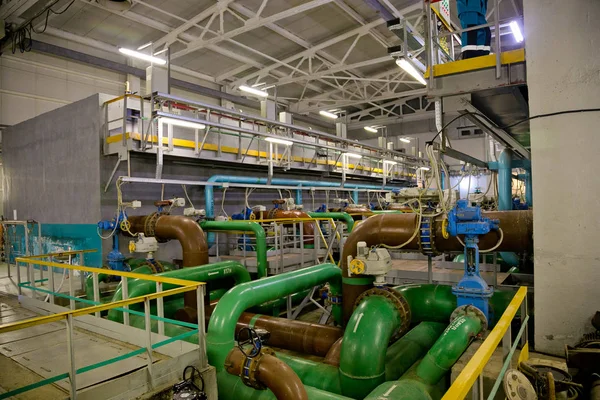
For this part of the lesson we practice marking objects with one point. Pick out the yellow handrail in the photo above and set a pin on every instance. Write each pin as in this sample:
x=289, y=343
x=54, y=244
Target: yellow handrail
x=28, y=323
x=463, y=383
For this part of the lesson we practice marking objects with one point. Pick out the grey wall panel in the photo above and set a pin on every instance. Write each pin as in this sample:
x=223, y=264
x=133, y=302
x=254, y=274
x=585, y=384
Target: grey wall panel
x=52, y=165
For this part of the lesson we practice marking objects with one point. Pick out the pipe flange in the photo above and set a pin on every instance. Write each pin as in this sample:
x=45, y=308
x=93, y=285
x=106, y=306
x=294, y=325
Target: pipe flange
x=470, y=311
x=399, y=302
x=150, y=225
x=250, y=368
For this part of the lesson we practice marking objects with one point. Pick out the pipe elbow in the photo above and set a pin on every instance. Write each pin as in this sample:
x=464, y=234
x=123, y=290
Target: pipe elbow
x=267, y=371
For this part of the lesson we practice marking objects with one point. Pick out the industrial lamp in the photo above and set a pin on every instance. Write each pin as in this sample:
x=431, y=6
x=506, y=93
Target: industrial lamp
x=408, y=66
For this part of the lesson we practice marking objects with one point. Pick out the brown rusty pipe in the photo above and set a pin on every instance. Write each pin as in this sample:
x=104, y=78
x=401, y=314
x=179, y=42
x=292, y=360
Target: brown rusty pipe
x=396, y=229
x=272, y=373
x=299, y=336
x=193, y=243
x=308, y=227
x=333, y=355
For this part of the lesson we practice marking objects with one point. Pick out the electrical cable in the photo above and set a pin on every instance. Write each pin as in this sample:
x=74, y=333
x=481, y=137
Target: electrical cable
x=488, y=250
x=186, y=196
x=223, y=202
x=582, y=110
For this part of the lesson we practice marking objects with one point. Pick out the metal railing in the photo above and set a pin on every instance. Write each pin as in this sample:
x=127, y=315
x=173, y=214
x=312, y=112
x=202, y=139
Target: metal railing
x=95, y=308
x=471, y=377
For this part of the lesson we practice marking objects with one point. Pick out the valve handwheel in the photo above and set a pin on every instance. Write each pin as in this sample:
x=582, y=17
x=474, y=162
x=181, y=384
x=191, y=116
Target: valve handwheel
x=252, y=217
x=445, y=233
x=125, y=225
x=253, y=339
x=357, y=267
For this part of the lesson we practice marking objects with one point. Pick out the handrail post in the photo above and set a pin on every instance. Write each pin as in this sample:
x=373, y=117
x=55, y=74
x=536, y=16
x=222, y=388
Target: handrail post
x=52, y=287
x=71, y=287
x=524, y=315
x=96, y=291
x=160, y=309
x=148, y=328
x=18, y=264
x=200, y=292
x=80, y=256
x=301, y=227
x=125, y=296
x=71, y=356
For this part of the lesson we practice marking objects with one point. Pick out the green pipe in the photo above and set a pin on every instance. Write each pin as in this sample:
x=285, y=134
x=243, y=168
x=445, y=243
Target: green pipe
x=231, y=387
x=398, y=359
x=410, y=348
x=220, y=338
x=420, y=383
x=245, y=226
x=430, y=302
x=205, y=273
x=337, y=216
x=366, y=339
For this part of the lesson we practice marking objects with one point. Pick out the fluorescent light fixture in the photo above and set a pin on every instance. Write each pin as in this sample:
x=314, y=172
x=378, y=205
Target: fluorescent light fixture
x=328, y=114
x=516, y=30
x=180, y=122
x=390, y=162
x=259, y=84
x=279, y=141
x=405, y=140
x=370, y=129
x=353, y=155
x=142, y=47
x=424, y=168
x=411, y=70
x=254, y=91
x=161, y=51
x=142, y=56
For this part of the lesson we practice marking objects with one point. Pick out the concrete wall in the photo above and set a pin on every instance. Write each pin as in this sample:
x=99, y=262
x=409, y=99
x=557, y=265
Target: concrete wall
x=51, y=165
x=562, y=74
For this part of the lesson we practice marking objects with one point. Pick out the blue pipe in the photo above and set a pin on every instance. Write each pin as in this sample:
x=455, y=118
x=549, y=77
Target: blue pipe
x=209, y=197
x=505, y=195
x=528, y=188
x=298, y=196
x=355, y=196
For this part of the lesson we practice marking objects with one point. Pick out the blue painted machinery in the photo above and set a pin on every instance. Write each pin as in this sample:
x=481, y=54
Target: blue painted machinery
x=115, y=259
x=469, y=221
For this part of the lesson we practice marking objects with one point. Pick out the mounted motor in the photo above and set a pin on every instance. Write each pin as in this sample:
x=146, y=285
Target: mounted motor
x=373, y=261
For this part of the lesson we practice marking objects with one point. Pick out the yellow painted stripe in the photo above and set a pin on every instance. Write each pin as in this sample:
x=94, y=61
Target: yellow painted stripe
x=154, y=278
x=463, y=383
x=476, y=63
x=28, y=323
x=234, y=150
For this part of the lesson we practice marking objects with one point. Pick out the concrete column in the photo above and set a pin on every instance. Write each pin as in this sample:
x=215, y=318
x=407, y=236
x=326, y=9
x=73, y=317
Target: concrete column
x=563, y=74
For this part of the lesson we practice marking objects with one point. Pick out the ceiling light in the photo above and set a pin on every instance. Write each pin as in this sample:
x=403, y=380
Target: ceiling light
x=279, y=141
x=353, y=155
x=405, y=140
x=259, y=84
x=142, y=47
x=161, y=51
x=390, y=162
x=328, y=114
x=180, y=122
x=370, y=129
x=516, y=30
x=254, y=91
x=424, y=168
x=142, y=56
x=411, y=70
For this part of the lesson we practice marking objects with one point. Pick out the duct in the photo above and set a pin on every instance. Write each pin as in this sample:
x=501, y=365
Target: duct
x=420, y=382
x=204, y=273
x=269, y=371
x=337, y=216
x=245, y=226
x=220, y=338
x=366, y=339
x=308, y=227
x=396, y=229
x=190, y=236
x=293, y=335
